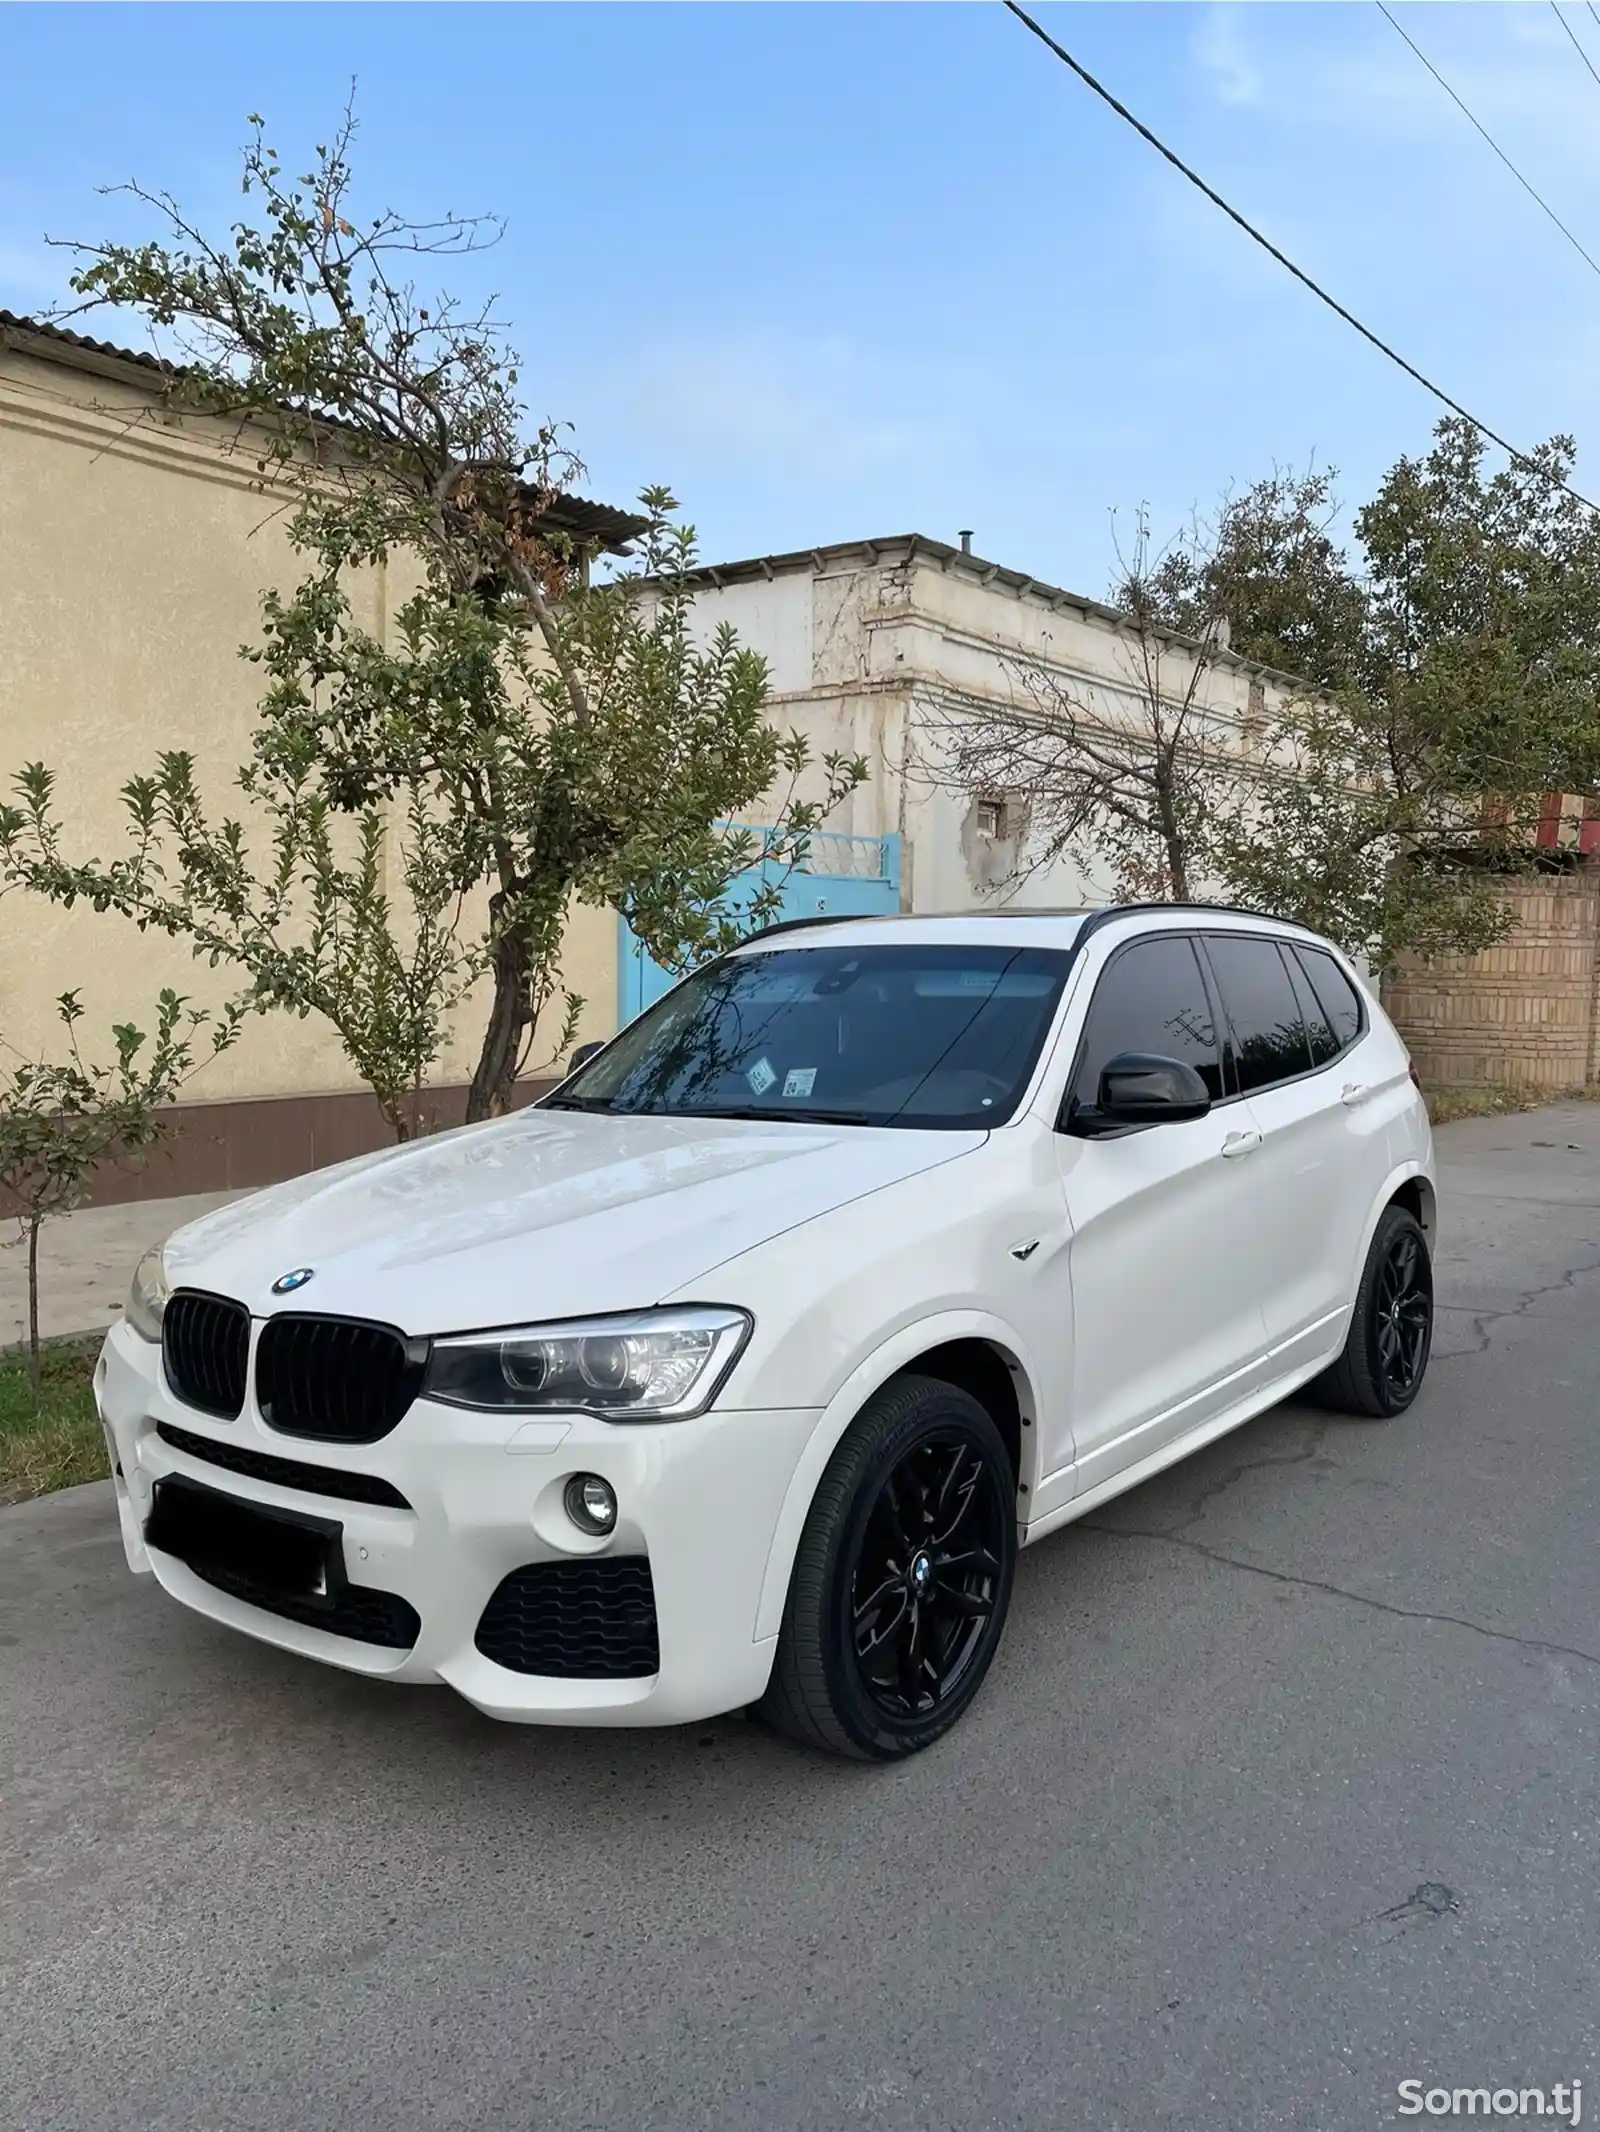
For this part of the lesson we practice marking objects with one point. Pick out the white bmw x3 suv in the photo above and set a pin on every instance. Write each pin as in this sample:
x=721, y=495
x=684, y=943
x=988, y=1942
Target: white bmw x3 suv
x=738, y=1369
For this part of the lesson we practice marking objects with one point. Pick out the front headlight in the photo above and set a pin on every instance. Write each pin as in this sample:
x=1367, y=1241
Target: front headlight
x=147, y=1298
x=654, y=1365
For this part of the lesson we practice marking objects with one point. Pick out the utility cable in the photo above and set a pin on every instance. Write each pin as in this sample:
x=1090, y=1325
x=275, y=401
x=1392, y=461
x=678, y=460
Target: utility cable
x=1578, y=48
x=1537, y=197
x=1520, y=458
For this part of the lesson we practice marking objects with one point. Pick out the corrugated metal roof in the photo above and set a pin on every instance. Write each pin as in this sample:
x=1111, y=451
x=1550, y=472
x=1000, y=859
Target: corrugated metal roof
x=67, y=339
x=596, y=525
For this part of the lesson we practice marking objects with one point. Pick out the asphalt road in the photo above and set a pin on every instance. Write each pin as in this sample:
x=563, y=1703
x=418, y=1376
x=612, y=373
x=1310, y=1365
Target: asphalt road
x=1283, y=1792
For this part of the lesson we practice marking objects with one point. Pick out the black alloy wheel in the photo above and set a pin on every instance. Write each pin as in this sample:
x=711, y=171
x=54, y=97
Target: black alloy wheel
x=1404, y=1320
x=926, y=1575
x=902, y=1579
x=1391, y=1327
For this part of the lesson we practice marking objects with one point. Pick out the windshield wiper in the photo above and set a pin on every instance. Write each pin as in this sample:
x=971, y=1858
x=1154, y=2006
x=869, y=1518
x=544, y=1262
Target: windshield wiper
x=764, y=1113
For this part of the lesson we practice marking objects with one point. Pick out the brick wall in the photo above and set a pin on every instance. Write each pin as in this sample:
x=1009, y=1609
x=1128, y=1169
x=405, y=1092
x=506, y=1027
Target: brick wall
x=1524, y=1013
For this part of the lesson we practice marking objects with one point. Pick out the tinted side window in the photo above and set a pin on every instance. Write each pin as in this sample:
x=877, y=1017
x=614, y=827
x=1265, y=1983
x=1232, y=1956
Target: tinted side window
x=1269, y=1037
x=1151, y=998
x=1319, y=1030
x=1340, y=1001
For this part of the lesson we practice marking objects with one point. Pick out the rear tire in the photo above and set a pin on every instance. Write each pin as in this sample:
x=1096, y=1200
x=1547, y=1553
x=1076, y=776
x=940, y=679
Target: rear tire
x=902, y=1579
x=1391, y=1328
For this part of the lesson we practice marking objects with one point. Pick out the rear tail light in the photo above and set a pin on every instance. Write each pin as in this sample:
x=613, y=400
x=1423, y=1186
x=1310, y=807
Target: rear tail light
x=1416, y=1078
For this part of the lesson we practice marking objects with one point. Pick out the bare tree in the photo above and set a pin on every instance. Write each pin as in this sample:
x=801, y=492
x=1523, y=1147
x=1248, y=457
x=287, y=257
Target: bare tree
x=1128, y=771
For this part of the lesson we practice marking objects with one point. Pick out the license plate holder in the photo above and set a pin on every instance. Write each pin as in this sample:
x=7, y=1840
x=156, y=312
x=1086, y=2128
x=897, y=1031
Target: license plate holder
x=286, y=1552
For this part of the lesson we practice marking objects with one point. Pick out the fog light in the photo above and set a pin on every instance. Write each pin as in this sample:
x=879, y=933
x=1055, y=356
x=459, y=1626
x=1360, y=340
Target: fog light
x=591, y=1503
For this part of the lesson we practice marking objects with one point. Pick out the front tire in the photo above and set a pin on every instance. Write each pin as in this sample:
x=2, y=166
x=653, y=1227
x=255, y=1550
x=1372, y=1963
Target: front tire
x=902, y=1579
x=1391, y=1328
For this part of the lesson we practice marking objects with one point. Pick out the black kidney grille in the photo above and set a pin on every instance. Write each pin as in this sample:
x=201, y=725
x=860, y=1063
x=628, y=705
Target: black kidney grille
x=593, y=1620
x=284, y=1472
x=359, y=1612
x=205, y=1349
x=339, y=1379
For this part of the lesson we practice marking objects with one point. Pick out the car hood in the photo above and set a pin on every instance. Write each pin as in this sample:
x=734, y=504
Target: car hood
x=545, y=1214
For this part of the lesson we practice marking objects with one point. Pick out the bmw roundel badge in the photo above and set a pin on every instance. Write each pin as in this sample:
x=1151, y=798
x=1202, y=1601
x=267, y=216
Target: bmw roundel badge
x=287, y=1283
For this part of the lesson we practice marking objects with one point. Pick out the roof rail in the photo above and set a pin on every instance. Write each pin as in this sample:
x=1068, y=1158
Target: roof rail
x=793, y=925
x=1108, y=911
x=1093, y=919
x=1065, y=910
x=1019, y=910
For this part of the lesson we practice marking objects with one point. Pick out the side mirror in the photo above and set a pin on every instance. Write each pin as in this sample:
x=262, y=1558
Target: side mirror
x=1142, y=1088
x=582, y=1056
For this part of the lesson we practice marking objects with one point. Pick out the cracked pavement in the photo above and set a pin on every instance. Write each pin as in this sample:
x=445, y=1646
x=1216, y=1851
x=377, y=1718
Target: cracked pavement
x=1283, y=1791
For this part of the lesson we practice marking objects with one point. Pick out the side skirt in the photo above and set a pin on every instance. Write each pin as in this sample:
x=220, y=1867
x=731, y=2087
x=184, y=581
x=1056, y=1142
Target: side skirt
x=1233, y=1417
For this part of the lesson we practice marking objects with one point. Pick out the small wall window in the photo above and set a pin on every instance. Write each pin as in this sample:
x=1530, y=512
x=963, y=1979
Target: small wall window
x=989, y=818
x=1255, y=715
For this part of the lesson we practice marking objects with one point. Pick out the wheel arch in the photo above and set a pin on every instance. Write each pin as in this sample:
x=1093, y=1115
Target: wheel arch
x=967, y=1348
x=1408, y=1185
x=1418, y=1196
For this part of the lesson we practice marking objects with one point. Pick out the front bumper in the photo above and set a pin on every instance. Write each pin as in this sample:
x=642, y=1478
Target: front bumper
x=700, y=1499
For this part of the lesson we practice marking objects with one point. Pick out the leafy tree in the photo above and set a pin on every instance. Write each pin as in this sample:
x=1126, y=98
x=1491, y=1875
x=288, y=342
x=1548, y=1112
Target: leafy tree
x=1321, y=835
x=547, y=740
x=1265, y=572
x=1456, y=671
x=311, y=927
x=61, y=1118
x=1481, y=645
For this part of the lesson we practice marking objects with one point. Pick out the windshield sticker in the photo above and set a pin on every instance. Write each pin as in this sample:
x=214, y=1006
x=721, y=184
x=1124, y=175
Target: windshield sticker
x=799, y=1080
x=761, y=1076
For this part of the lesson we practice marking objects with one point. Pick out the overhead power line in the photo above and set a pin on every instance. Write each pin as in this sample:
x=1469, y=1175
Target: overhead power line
x=1537, y=197
x=1318, y=291
x=1567, y=26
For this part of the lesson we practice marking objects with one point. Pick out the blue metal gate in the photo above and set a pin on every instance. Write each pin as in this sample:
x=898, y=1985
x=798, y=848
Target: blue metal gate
x=857, y=877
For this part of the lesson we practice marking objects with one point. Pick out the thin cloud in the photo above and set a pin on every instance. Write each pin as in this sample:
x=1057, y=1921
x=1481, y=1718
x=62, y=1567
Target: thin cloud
x=1223, y=54
x=816, y=409
x=1345, y=71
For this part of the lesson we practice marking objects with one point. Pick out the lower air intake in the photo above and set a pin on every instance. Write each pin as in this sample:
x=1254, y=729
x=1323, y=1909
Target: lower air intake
x=593, y=1620
x=284, y=1472
x=364, y=1615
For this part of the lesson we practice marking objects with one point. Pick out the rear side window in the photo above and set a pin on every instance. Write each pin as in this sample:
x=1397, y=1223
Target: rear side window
x=1340, y=1001
x=1152, y=997
x=1319, y=1030
x=1269, y=1035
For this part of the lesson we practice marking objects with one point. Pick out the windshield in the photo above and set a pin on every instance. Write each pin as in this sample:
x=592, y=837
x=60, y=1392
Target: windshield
x=933, y=1037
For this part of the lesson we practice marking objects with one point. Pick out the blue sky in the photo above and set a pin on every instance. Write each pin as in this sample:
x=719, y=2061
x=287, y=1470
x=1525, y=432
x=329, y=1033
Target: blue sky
x=842, y=270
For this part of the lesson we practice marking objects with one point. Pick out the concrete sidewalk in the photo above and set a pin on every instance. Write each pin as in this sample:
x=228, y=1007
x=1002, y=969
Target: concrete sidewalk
x=86, y=1261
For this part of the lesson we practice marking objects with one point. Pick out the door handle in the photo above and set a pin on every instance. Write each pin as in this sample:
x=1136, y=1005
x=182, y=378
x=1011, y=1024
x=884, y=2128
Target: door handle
x=1352, y=1093
x=1238, y=1144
